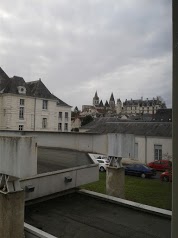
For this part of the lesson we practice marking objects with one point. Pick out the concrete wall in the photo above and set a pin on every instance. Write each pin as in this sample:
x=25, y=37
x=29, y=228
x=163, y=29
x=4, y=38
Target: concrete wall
x=12, y=215
x=102, y=144
x=18, y=156
x=76, y=141
x=54, y=182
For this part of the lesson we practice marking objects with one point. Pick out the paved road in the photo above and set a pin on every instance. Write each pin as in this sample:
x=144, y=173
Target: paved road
x=81, y=216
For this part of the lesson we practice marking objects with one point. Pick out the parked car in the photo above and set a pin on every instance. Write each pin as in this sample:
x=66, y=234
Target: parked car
x=166, y=176
x=140, y=170
x=161, y=165
x=103, y=163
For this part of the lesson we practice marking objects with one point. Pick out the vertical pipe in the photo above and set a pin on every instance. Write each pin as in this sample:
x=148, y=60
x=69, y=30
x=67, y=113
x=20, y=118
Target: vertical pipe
x=145, y=150
x=34, y=115
x=175, y=121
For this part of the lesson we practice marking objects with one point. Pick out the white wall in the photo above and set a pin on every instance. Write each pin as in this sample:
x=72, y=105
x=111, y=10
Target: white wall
x=141, y=148
x=166, y=147
x=33, y=113
x=121, y=145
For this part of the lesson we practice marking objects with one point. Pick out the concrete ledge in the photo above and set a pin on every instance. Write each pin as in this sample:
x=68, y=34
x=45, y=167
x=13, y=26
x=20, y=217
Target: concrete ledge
x=33, y=232
x=127, y=203
x=54, y=182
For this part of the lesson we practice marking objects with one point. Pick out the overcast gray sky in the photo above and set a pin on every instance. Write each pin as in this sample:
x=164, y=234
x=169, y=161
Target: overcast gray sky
x=79, y=46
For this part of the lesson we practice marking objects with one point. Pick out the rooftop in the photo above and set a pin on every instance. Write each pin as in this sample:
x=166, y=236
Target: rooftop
x=106, y=125
x=33, y=88
x=78, y=215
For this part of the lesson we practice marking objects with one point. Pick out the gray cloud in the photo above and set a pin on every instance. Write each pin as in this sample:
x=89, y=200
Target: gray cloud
x=78, y=47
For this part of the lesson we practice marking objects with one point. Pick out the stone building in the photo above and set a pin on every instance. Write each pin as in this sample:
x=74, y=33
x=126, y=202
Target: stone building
x=140, y=106
x=129, y=107
x=31, y=106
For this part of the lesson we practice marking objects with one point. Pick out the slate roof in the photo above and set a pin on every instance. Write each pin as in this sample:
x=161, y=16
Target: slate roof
x=114, y=125
x=163, y=115
x=4, y=79
x=143, y=103
x=38, y=89
x=33, y=88
x=13, y=83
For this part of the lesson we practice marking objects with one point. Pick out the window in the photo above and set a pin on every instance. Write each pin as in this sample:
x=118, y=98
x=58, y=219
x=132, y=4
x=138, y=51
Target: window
x=66, y=126
x=59, y=126
x=157, y=152
x=20, y=127
x=45, y=104
x=22, y=102
x=44, y=123
x=60, y=115
x=66, y=115
x=21, y=113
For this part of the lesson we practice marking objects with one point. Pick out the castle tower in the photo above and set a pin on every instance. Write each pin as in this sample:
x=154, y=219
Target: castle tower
x=119, y=106
x=106, y=104
x=96, y=100
x=101, y=104
x=112, y=101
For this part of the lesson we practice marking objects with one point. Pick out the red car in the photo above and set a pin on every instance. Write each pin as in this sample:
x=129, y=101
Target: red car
x=161, y=165
x=166, y=176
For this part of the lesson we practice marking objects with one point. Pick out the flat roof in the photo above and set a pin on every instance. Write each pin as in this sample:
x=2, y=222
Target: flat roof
x=52, y=159
x=79, y=215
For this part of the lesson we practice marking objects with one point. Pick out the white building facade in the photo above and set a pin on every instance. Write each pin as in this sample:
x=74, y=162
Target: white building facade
x=31, y=107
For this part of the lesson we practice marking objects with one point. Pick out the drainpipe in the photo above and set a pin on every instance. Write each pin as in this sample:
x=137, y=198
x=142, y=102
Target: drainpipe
x=35, y=115
x=145, y=150
x=175, y=122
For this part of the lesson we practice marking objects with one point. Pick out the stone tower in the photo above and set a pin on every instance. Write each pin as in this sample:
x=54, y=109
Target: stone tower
x=112, y=101
x=118, y=106
x=96, y=100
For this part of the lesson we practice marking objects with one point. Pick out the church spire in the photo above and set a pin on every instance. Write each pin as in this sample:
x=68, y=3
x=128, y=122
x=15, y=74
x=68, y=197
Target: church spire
x=96, y=100
x=96, y=96
x=112, y=101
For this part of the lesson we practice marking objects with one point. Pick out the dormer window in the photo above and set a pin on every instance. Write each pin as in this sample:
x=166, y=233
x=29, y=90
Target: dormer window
x=21, y=90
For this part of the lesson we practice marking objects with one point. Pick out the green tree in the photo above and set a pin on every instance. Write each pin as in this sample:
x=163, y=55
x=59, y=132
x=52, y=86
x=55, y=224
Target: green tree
x=87, y=119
